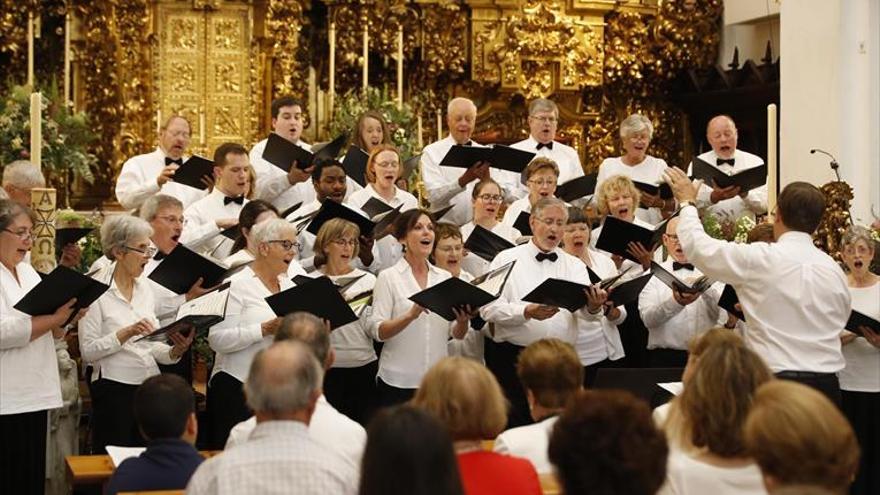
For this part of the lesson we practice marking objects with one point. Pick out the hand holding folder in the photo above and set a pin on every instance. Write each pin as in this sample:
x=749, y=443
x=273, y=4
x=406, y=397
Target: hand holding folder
x=698, y=286
x=57, y=289
x=498, y=156
x=283, y=153
x=859, y=322
x=194, y=171
x=182, y=268
x=454, y=294
x=197, y=314
x=318, y=296
x=746, y=180
x=485, y=243
x=617, y=234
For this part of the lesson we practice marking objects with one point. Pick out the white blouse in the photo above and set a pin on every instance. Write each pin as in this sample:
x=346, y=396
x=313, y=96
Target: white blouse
x=407, y=356
x=472, y=345
x=28, y=369
x=130, y=362
x=598, y=340
x=239, y=337
x=472, y=263
x=353, y=343
x=686, y=475
x=862, y=371
x=650, y=171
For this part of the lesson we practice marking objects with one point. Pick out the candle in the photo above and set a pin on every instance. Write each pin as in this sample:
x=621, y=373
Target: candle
x=332, y=74
x=202, y=127
x=158, y=121
x=419, y=131
x=30, y=59
x=67, y=24
x=772, y=175
x=366, y=55
x=36, y=129
x=400, y=67
x=439, y=126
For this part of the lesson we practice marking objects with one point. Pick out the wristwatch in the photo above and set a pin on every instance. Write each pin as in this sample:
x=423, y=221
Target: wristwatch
x=686, y=202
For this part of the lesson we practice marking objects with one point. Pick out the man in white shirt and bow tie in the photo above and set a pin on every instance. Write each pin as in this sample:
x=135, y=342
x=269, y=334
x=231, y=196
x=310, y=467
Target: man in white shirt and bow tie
x=145, y=175
x=728, y=202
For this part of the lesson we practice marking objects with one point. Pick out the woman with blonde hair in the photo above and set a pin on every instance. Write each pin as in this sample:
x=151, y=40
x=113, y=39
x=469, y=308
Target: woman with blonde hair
x=705, y=422
x=370, y=131
x=799, y=437
x=465, y=396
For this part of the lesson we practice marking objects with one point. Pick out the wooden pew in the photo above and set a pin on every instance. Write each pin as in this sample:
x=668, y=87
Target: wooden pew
x=158, y=492
x=97, y=469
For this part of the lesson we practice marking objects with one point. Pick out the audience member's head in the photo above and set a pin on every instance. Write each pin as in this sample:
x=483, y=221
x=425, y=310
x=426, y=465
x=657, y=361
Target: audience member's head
x=465, y=397
x=800, y=208
x=408, y=452
x=550, y=373
x=605, y=443
x=311, y=331
x=284, y=383
x=799, y=437
x=712, y=408
x=165, y=407
x=19, y=177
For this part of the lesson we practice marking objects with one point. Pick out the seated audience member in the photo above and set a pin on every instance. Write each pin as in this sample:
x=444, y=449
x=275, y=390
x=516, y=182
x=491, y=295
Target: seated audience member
x=164, y=408
x=467, y=399
x=328, y=427
x=798, y=437
x=605, y=443
x=551, y=374
x=283, y=388
x=705, y=422
x=408, y=453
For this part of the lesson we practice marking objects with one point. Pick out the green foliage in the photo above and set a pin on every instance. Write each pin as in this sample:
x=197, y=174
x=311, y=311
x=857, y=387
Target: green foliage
x=724, y=228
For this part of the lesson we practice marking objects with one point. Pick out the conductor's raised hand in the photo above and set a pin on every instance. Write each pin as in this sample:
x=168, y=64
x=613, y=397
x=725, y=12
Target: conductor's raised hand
x=682, y=187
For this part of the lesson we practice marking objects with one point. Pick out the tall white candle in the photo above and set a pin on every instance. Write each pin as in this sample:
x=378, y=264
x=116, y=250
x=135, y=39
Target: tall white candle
x=332, y=74
x=67, y=24
x=366, y=56
x=158, y=121
x=439, y=126
x=202, y=127
x=419, y=132
x=400, y=67
x=36, y=130
x=30, y=59
x=772, y=177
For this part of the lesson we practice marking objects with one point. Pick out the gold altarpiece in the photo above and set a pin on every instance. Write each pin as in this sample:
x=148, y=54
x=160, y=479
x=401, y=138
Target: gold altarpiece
x=220, y=63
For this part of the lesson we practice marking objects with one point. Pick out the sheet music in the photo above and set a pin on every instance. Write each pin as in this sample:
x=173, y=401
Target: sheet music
x=119, y=454
x=212, y=303
x=673, y=388
x=493, y=281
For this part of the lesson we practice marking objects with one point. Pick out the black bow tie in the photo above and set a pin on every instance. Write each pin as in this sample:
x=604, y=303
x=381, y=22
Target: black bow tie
x=227, y=200
x=722, y=161
x=169, y=160
x=159, y=256
x=547, y=256
x=549, y=145
x=678, y=266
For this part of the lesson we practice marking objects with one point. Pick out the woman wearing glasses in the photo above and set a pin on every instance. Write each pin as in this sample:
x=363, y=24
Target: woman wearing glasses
x=29, y=383
x=250, y=323
x=117, y=362
x=541, y=176
x=350, y=385
x=487, y=199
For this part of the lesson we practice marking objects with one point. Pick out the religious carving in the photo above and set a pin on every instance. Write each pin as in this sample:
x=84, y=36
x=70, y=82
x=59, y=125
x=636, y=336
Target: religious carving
x=284, y=22
x=836, y=218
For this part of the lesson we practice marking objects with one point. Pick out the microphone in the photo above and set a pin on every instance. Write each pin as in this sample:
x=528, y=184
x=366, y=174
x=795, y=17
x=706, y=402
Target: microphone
x=834, y=164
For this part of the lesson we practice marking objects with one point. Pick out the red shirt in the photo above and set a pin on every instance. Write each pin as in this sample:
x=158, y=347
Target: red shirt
x=490, y=473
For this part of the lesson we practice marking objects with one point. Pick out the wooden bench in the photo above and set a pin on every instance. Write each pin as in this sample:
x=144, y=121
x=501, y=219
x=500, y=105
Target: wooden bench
x=158, y=492
x=97, y=469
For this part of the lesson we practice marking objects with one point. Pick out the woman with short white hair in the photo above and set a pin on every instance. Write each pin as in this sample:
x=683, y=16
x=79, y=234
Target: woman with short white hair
x=636, y=132
x=250, y=323
x=117, y=361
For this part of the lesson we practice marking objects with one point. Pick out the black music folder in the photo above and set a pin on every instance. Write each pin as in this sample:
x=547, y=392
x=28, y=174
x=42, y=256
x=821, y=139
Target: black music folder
x=746, y=180
x=318, y=296
x=58, y=287
x=437, y=215
x=627, y=292
x=192, y=171
x=729, y=300
x=197, y=314
x=486, y=244
x=290, y=210
x=355, y=164
x=499, y=156
x=182, y=267
x=577, y=188
x=330, y=150
x=698, y=286
x=456, y=293
x=661, y=189
x=230, y=233
x=616, y=235
x=607, y=283
x=857, y=319
x=69, y=235
x=375, y=207
x=331, y=209
x=559, y=293
x=282, y=153
x=384, y=221
x=522, y=223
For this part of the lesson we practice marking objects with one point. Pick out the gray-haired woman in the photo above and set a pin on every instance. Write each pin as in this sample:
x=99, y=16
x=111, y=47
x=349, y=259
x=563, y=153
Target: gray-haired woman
x=116, y=360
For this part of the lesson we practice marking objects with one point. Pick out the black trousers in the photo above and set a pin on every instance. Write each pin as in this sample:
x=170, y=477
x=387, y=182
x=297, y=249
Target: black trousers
x=389, y=395
x=827, y=383
x=352, y=391
x=591, y=370
x=863, y=411
x=23, y=452
x=501, y=360
x=226, y=407
x=634, y=336
x=667, y=358
x=113, y=420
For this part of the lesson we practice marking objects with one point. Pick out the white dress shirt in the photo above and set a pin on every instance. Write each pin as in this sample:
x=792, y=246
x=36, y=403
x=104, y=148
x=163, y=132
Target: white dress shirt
x=441, y=183
x=131, y=362
x=732, y=209
x=328, y=427
x=598, y=340
x=472, y=263
x=137, y=182
x=686, y=475
x=529, y=442
x=239, y=337
x=671, y=325
x=650, y=171
x=471, y=346
x=507, y=312
x=512, y=212
x=239, y=257
x=353, y=343
x=794, y=297
x=280, y=457
x=566, y=157
x=862, y=371
x=202, y=233
x=407, y=356
x=29, y=379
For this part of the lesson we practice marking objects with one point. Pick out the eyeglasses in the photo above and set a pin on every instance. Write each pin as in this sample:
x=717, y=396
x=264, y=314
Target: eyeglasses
x=24, y=235
x=491, y=198
x=543, y=183
x=172, y=219
x=450, y=249
x=550, y=222
x=345, y=242
x=674, y=237
x=545, y=120
x=147, y=252
x=576, y=227
x=388, y=164
x=285, y=244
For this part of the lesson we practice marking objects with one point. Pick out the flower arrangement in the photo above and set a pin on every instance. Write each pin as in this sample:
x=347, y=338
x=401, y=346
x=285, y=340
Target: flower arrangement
x=66, y=136
x=725, y=228
x=401, y=121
